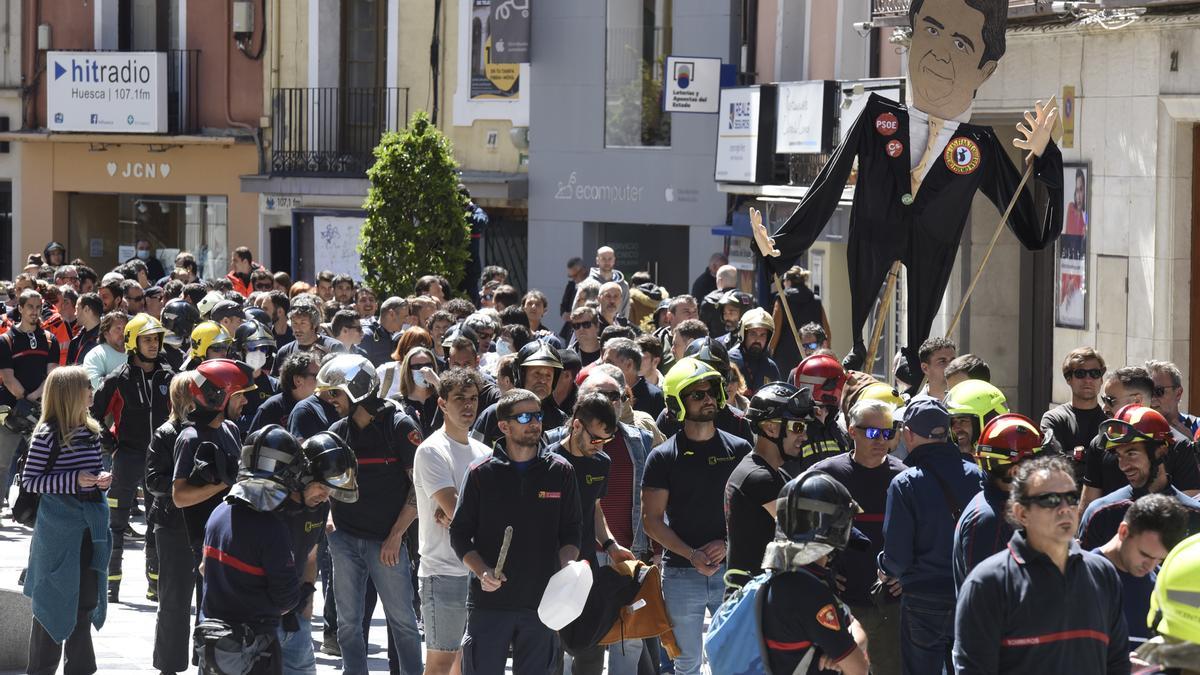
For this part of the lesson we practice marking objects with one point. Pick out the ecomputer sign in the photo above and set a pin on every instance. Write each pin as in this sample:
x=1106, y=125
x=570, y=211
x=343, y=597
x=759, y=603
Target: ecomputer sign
x=107, y=92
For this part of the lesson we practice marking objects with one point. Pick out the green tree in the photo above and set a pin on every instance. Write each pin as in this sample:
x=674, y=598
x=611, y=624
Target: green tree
x=416, y=223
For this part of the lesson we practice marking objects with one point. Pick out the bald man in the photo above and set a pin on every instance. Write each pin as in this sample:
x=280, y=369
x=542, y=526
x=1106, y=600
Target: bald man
x=606, y=271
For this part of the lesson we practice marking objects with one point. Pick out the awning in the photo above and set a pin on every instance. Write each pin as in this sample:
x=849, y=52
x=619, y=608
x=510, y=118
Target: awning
x=739, y=228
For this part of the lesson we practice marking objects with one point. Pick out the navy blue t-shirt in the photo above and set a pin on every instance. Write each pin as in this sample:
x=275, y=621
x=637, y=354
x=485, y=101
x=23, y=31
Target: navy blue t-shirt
x=1135, y=596
x=591, y=475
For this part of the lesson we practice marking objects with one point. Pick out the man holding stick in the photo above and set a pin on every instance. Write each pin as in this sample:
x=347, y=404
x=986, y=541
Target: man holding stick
x=532, y=493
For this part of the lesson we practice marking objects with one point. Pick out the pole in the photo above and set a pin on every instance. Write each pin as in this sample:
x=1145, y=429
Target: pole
x=889, y=292
x=787, y=311
x=962, y=305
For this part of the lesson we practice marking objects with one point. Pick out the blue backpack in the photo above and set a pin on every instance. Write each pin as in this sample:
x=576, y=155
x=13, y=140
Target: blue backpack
x=726, y=643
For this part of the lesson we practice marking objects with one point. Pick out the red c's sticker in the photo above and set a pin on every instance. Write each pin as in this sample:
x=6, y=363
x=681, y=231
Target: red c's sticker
x=894, y=148
x=887, y=124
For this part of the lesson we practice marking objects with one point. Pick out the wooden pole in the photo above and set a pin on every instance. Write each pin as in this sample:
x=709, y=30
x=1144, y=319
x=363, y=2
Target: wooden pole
x=962, y=305
x=889, y=292
x=787, y=311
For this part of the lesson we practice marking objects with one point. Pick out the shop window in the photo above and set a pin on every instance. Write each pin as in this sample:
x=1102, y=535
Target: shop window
x=105, y=227
x=638, y=40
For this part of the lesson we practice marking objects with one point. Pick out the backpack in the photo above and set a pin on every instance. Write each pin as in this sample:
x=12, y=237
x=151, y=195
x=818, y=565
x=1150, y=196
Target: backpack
x=738, y=617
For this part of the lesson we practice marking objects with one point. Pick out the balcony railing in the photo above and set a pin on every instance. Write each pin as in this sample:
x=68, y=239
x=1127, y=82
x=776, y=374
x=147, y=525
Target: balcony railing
x=895, y=12
x=332, y=131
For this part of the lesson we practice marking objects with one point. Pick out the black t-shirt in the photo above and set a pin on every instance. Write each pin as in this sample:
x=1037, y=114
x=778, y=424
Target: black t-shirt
x=27, y=354
x=729, y=419
x=310, y=416
x=591, y=475
x=587, y=357
x=869, y=488
x=227, y=441
x=801, y=614
x=385, y=450
x=695, y=474
x=753, y=483
x=1072, y=426
x=305, y=526
x=1102, y=471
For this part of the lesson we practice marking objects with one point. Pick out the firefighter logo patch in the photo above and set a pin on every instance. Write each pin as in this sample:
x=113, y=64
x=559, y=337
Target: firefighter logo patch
x=887, y=124
x=414, y=437
x=827, y=616
x=894, y=148
x=961, y=156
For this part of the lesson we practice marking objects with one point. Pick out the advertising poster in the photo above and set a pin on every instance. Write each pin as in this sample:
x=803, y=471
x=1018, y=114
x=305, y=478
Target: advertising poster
x=490, y=78
x=1070, y=303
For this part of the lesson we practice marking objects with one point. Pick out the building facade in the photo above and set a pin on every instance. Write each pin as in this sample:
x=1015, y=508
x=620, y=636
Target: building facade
x=137, y=121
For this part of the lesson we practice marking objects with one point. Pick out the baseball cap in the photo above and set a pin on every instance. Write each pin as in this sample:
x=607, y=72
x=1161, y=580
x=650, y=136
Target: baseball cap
x=927, y=417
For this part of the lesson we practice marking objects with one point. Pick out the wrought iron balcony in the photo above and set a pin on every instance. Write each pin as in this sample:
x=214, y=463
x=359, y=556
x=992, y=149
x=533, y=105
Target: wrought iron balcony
x=895, y=12
x=332, y=131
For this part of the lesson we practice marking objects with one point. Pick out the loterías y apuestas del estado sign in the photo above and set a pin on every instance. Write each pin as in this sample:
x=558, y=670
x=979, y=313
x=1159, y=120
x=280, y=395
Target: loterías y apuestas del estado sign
x=107, y=92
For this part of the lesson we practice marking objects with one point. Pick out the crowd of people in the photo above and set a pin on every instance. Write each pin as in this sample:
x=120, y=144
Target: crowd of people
x=447, y=455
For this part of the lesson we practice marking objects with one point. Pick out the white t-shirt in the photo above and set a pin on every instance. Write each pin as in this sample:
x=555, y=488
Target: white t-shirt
x=440, y=462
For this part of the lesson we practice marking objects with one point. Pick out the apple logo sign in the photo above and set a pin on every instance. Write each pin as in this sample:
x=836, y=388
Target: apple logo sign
x=669, y=194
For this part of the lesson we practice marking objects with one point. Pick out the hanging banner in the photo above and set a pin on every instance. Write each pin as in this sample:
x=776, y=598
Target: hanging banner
x=510, y=31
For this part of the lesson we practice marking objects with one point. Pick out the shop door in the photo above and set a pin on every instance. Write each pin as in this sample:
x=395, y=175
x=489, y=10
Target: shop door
x=661, y=250
x=1112, y=306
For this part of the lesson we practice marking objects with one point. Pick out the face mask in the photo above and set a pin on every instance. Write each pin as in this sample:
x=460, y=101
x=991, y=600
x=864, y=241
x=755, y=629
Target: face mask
x=256, y=360
x=143, y=254
x=503, y=348
x=418, y=379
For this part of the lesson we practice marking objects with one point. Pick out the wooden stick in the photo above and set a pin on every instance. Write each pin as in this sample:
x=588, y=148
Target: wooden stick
x=503, y=550
x=889, y=292
x=962, y=305
x=787, y=311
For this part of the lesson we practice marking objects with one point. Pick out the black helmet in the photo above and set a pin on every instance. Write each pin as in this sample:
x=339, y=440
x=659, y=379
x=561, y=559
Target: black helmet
x=780, y=401
x=331, y=463
x=815, y=508
x=740, y=299
x=257, y=314
x=226, y=309
x=535, y=353
x=271, y=466
x=252, y=335
x=180, y=317
x=712, y=352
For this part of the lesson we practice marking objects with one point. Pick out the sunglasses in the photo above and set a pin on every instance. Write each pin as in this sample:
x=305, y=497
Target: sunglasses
x=1159, y=391
x=1080, y=373
x=701, y=394
x=1051, y=500
x=812, y=346
x=487, y=296
x=418, y=366
x=526, y=417
x=1109, y=401
x=875, y=432
x=583, y=325
x=134, y=298
x=598, y=441
x=613, y=396
x=264, y=287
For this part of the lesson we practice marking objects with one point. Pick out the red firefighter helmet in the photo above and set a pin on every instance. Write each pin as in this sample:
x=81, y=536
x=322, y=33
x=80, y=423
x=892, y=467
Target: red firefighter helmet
x=215, y=381
x=1135, y=424
x=1007, y=439
x=824, y=375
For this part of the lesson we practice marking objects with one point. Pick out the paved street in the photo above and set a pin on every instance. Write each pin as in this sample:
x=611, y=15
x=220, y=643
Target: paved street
x=126, y=642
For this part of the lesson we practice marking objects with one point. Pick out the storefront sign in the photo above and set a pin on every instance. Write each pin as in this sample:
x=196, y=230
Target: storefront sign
x=693, y=84
x=107, y=92
x=573, y=189
x=283, y=202
x=805, y=114
x=138, y=169
x=510, y=31
x=743, y=151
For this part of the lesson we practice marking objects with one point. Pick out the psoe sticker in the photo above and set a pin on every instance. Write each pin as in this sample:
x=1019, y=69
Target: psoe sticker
x=887, y=124
x=894, y=148
x=961, y=156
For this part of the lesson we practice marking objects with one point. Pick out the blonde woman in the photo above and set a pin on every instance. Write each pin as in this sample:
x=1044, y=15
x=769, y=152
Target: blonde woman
x=71, y=532
x=176, y=563
x=418, y=389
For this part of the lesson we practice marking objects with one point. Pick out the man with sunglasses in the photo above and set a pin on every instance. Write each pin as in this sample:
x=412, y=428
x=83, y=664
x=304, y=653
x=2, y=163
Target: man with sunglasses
x=683, y=500
x=1044, y=605
x=924, y=503
x=1167, y=394
x=1074, y=424
x=523, y=486
x=779, y=414
x=586, y=338
x=1139, y=438
x=1131, y=385
x=867, y=471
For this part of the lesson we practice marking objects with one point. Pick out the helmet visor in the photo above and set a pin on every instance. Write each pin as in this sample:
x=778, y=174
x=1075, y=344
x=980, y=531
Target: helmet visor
x=338, y=472
x=1118, y=432
x=262, y=494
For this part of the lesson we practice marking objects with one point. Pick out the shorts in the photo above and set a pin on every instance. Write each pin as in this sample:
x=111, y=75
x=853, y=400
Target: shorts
x=444, y=609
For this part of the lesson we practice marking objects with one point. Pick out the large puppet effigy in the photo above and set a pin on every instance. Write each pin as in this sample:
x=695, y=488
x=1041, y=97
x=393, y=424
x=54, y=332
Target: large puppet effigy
x=920, y=165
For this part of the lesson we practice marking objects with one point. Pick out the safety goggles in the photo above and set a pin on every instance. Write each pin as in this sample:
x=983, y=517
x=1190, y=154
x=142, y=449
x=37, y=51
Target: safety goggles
x=1051, y=500
x=1080, y=373
x=525, y=417
x=1117, y=432
x=792, y=426
x=876, y=432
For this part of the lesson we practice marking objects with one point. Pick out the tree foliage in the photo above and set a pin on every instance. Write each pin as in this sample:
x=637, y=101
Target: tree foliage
x=416, y=223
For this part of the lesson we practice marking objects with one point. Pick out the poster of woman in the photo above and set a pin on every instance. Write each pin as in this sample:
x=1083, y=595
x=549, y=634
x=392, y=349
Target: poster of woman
x=1071, y=273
